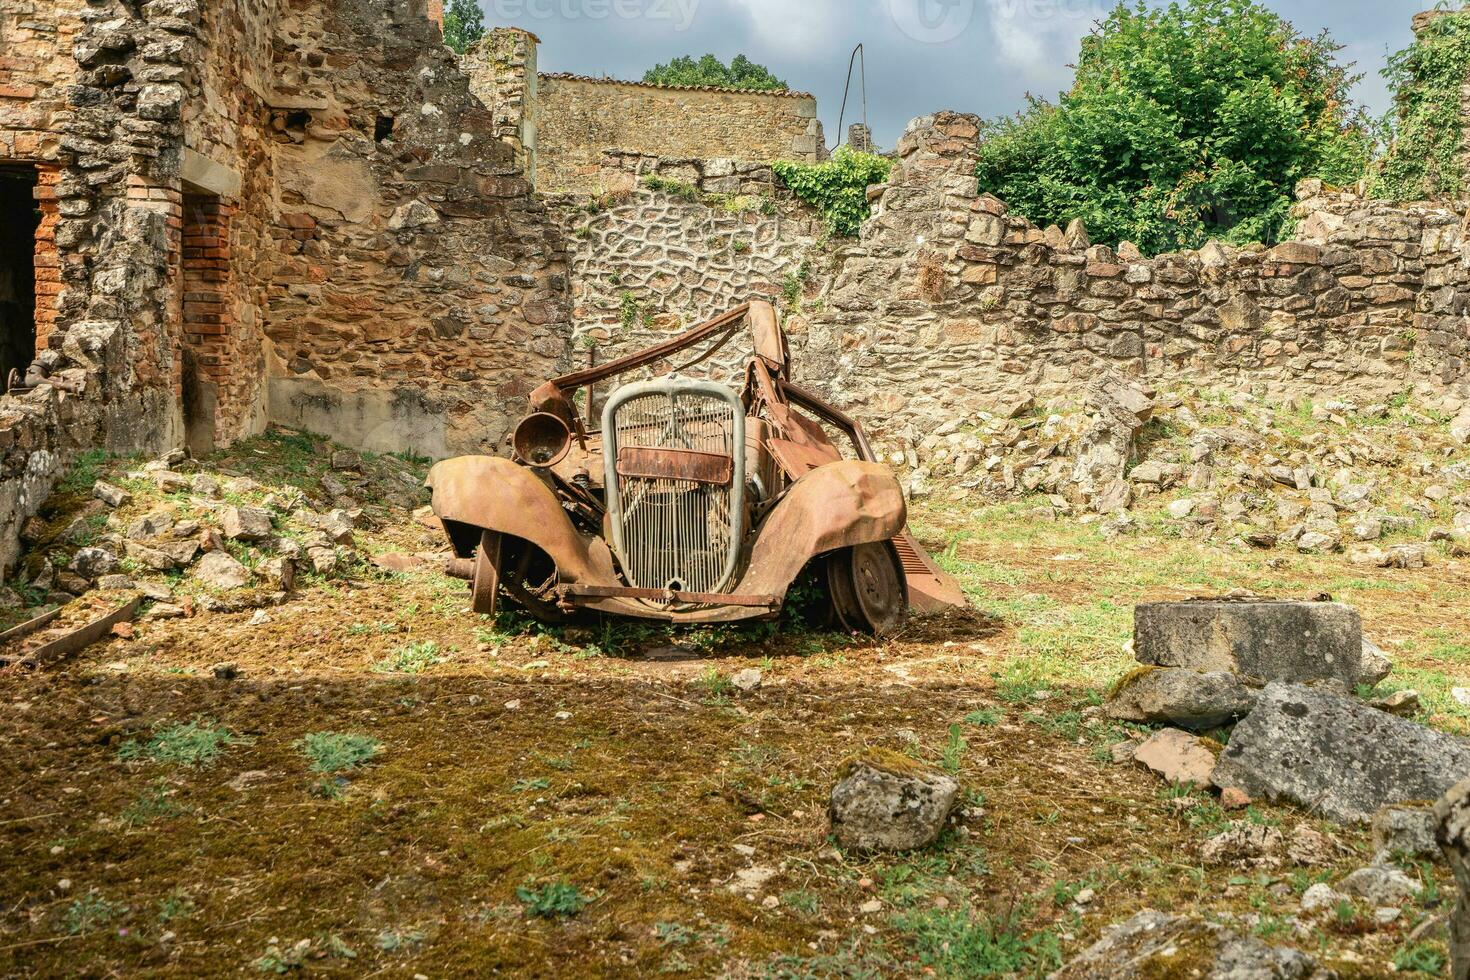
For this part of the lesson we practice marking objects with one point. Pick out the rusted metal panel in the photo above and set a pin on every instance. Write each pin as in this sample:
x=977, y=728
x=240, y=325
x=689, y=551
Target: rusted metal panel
x=688, y=465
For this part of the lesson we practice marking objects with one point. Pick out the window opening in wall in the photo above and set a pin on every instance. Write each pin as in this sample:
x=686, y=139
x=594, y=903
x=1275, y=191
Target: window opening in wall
x=19, y=219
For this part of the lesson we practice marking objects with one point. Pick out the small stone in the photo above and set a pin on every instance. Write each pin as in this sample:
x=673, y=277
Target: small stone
x=218, y=570
x=164, y=610
x=871, y=906
x=1177, y=757
x=247, y=523
x=512, y=705
x=110, y=495
x=1379, y=885
x=346, y=459
x=1234, y=798
x=1320, y=897
x=260, y=618
x=205, y=485
x=1405, y=703
x=886, y=801
x=1179, y=696
x=279, y=574
x=747, y=680
x=116, y=583
x=1245, y=843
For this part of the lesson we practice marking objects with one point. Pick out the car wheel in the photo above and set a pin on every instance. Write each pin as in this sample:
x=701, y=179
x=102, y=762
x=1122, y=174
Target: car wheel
x=868, y=589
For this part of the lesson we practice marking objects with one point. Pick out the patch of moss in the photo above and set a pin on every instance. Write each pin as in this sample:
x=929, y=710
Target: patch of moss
x=886, y=760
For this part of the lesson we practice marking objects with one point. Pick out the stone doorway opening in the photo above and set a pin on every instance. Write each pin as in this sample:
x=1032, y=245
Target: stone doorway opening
x=20, y=217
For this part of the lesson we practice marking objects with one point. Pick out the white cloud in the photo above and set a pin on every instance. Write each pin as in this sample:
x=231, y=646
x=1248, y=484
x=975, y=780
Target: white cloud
x=1039, y=39
x=796, y=26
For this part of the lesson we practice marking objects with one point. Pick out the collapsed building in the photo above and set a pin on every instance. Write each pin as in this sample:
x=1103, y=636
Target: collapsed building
x=217, y=217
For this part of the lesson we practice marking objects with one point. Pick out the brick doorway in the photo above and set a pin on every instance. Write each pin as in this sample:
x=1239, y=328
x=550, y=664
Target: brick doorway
x=20, y=218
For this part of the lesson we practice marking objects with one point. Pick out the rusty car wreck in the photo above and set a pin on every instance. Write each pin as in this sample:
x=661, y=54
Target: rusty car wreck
x=691, y=502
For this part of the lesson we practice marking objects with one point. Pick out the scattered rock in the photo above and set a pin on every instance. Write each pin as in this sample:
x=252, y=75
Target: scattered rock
x=1178, y=757
x=1179, y=696
x=1334, y=754
x=164, y=610
x=324, y=561
x=1234, y=798
x=93, y=563
x=747, y=680
x=1309, y=848
x=1379, y=885
x=1404, y=829
x=247, y=523
x=1245, y=844
x=1273, y=641
x=116, y=583
x=1322, y=897
x=886, y=801
x=225, y=672
x=110, y=495
x=151, y=558
x=219, y=570
x=1155, y=944
x=346, y=459
x=1404, y=704
x=151, y=526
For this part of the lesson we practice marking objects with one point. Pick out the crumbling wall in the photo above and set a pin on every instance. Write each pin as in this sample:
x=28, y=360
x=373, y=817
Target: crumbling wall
x=418, y=287
x=578, y=118
x=101, y=112
x=950, y=304
x=502, y=70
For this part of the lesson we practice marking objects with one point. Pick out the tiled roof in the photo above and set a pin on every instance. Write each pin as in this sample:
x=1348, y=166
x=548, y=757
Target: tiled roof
x=780, y=93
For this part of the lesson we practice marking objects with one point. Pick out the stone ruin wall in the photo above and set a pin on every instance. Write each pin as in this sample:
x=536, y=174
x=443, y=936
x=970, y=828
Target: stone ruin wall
x=418, y=289
x=562, y=125
x=265, y=212
x=949, y=306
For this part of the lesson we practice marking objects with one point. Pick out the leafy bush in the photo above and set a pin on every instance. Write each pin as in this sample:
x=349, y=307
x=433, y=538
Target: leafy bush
x=839, y=187
x=464, y=24
x=711, y=71
x=331, y=752
x=1425, y=139
x=1186, y=123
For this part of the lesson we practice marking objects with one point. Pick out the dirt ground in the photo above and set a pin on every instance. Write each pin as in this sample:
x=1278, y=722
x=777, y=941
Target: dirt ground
x=603, y=802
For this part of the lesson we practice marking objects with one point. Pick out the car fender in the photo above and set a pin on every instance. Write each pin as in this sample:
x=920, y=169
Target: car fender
x=496, y=494
x=835, y=506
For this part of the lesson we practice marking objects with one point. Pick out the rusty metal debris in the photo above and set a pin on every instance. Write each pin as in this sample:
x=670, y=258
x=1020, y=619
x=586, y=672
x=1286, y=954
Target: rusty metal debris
x=687, y=500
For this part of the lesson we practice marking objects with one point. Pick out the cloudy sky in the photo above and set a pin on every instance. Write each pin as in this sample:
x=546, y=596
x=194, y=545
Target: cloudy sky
x=980, y=56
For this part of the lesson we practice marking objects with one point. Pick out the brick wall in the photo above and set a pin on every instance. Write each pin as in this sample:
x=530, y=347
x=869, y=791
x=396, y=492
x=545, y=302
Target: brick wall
x=48, y=259
x=206, y=285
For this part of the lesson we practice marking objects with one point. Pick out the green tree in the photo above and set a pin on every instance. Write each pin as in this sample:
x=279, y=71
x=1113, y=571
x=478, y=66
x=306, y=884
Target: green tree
x=1424, y=133
x=711, y=71
x=1185, y=123
x=464, y=24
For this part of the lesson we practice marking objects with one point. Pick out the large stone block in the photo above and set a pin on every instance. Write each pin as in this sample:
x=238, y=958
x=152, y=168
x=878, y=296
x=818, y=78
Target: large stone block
x=1273, y=641
x=1156, y=944
x=1336, y=755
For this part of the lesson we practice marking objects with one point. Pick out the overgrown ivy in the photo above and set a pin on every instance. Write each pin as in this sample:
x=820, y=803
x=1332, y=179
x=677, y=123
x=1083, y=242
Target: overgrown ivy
x=1425, y=157
x=837, y=187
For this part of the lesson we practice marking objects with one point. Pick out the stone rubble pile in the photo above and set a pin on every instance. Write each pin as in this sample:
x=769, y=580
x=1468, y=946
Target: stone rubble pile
x=207, y=540
x=1381, y=483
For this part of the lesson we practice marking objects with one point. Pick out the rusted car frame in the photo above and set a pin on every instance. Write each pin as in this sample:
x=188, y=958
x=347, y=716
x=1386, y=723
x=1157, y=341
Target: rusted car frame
x=689, y=502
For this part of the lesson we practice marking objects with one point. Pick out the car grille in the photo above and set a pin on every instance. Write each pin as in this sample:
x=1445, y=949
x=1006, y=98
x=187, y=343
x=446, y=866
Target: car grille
x=675, y=456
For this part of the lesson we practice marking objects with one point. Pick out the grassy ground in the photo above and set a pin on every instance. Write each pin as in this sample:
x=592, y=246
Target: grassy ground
x=387, y=785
